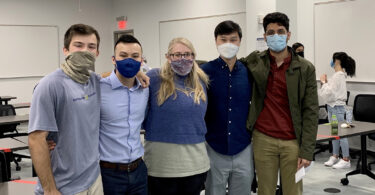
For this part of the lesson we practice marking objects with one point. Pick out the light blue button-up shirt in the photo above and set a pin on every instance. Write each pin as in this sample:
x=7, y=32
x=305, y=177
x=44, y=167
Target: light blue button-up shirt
x=122, y=112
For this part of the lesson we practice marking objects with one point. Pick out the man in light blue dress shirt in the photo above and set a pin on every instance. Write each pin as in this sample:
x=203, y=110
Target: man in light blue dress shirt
x=122, y=111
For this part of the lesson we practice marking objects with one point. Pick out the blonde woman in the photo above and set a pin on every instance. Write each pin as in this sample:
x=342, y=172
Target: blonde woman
x=175, y=152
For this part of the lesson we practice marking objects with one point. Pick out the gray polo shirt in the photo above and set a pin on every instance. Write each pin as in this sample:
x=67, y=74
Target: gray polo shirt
x=70, y=111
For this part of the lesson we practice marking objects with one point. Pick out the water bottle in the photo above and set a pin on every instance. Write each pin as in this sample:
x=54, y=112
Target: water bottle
x=334, y=125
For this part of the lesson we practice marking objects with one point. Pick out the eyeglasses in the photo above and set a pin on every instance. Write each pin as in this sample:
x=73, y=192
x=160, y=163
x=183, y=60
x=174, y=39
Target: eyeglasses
x=279, y=32
x=181, y=55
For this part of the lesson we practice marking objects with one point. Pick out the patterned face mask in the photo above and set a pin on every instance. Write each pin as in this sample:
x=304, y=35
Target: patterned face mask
x=182, y=66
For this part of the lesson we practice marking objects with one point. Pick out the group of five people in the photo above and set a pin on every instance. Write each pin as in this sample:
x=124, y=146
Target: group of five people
x=203, y=123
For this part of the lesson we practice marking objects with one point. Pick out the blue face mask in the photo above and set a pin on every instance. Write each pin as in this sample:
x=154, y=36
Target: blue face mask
x=276, y=42
x=332, y=64
x=128, y=67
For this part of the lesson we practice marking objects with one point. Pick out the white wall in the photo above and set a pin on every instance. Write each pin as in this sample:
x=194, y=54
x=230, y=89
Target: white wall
x=305, y=31
x=289, y=7
x=254, y=8
x=63, y=13
x=144, y=17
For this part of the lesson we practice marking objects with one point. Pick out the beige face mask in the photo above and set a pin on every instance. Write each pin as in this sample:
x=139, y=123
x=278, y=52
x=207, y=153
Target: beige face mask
x=78, y=65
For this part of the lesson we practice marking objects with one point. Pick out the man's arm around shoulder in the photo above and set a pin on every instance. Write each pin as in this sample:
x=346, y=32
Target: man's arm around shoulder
x=41, y=160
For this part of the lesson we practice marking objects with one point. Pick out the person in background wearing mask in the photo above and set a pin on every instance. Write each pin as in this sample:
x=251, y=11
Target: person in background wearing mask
x=66, y=107
x=333, y=92
x=175, y=152
x=145, y=67
x=122, y=111
x=229, y=96
x=299, y=49
x=284, y=112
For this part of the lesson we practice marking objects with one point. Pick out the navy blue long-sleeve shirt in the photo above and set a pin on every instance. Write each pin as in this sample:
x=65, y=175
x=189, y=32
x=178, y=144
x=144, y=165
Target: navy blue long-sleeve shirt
x=229, y=98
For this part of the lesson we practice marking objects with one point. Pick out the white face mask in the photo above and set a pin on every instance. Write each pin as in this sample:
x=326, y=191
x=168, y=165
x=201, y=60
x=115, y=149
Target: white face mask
x=228, y=50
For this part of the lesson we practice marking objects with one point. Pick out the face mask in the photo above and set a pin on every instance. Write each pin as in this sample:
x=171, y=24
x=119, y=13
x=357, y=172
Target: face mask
x=182, y=66
x=228, y=50
x=332, y=64
x=128, y=67
x=301, y=53
x=78, y=64
x=276, y=42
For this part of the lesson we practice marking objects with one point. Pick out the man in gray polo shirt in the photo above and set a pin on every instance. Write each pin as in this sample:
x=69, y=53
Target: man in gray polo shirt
x=66, y=108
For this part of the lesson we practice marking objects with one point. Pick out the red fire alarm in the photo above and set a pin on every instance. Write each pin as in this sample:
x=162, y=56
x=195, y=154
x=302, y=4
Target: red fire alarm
x=122, y=22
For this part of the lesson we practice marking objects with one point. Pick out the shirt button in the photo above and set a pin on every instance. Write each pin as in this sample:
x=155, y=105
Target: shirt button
x=229, y=133
x=230, y=97
x=222, y=66
x=230, y=74
x=230, y=85
x=230, y=122
x=230, y=109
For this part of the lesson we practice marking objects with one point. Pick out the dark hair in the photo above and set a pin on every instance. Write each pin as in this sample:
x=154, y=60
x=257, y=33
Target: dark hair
x=127, y=39
x=227, y=27
x=297, y=45
x=79, y=29
x=347, y=62
x=276, y=17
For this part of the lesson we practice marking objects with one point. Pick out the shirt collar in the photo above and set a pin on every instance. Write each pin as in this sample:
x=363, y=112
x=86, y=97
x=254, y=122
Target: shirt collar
x=286, y=63
x=115, y=82
x=222, y=63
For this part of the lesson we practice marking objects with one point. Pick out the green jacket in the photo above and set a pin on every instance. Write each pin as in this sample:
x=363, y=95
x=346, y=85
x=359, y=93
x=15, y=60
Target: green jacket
x=302, y=96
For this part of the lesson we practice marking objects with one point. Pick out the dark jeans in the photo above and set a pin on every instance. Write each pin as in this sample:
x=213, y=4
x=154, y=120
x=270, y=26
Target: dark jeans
x=124, y=182
x=191, y=185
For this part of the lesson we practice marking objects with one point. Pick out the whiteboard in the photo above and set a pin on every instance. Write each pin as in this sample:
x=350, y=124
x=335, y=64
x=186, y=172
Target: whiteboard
x=28, y=51
x=347, y=26
x=200, y=31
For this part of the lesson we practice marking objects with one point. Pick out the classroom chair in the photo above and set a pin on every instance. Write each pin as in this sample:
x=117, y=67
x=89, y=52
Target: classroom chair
x=364, y=110
x=8, y=129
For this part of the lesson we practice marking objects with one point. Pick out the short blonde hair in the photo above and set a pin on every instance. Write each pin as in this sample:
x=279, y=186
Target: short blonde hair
x=194, y=80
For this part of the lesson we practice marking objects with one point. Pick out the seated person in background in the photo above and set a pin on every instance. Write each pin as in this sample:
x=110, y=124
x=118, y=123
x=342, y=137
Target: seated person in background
x=333, y=92
x=122, y=111
x=299, y=49
x=66, y=107
x=175, y=151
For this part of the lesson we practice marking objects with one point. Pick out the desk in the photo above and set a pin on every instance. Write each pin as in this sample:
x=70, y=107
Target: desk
x=22, y=105
x=5, y=99
x=23, y=139
x=7, y=146
x=14, y=145
x=25, y=187
x=362, y=129
x=14, y=119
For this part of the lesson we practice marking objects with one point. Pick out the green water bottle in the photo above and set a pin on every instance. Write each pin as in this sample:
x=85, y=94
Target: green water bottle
x=334, y=125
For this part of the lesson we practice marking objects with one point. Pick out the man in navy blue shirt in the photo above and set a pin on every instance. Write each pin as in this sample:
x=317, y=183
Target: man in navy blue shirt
x=229, y=94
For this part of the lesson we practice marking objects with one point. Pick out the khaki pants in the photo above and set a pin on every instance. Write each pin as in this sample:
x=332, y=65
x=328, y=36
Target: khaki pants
x=270, y=155
x=95, y=189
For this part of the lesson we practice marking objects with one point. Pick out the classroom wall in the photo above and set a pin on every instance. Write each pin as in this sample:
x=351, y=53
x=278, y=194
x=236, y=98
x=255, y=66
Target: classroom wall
x=97, y=13
x=305, y=31
x=254, y=10
x=144, y=17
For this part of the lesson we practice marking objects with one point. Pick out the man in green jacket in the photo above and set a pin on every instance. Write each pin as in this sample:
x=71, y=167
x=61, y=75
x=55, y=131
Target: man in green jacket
x=284, y=110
